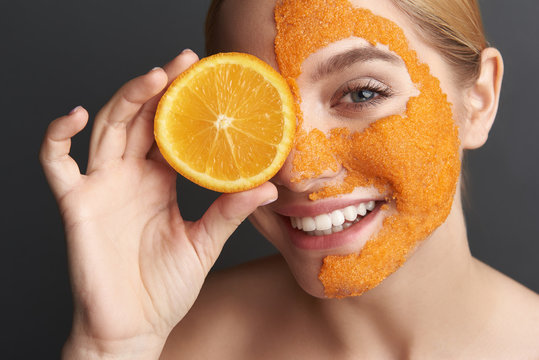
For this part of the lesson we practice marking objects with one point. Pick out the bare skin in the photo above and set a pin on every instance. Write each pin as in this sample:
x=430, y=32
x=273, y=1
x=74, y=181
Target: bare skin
x=442, y=303
x=137, y=267
x=257, y=311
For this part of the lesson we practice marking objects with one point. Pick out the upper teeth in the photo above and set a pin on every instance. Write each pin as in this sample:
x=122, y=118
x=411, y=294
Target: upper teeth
x=335, y=221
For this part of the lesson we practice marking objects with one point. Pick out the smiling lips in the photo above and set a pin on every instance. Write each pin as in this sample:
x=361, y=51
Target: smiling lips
x=336, y=221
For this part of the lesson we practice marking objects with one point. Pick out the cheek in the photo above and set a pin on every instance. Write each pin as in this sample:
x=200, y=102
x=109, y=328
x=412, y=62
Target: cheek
x=414, y=157
x=410, y=158
x=414, y=160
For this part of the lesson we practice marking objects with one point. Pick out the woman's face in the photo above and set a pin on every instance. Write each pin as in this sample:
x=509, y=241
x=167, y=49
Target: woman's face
x=373, y=172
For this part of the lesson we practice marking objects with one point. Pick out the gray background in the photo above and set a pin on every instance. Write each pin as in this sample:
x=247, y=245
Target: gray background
x=59, y=54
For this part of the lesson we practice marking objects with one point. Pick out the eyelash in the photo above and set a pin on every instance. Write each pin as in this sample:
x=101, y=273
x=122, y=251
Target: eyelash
x=380, y=90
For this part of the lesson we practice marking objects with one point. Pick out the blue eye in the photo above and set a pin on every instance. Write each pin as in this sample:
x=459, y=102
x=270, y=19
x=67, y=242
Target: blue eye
x=359, y=94
x=362, y=96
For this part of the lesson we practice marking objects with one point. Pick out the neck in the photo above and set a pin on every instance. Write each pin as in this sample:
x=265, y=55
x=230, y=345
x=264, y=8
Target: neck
x=422, y=304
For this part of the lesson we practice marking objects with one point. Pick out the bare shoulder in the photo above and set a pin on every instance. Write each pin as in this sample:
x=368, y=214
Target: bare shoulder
x=232, y=306
x=516, y=322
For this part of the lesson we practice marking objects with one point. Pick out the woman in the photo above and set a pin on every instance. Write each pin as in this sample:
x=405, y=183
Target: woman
x=381, y=135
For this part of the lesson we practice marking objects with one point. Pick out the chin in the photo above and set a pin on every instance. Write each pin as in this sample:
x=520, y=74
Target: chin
x=306, y=276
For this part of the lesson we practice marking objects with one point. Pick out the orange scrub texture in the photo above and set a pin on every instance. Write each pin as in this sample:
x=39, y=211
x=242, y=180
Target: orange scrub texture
x=413, y=159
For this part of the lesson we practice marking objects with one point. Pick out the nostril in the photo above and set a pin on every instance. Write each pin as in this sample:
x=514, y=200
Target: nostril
x=289, y=179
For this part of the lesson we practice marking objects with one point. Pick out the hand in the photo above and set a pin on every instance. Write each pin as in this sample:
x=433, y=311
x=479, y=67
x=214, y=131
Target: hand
x=136, y=266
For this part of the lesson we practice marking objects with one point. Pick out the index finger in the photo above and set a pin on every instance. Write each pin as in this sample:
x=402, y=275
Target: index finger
x=173, y=69
x=140, y=130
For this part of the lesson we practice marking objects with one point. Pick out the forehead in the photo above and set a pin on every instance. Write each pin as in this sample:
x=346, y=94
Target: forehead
x=249, y=25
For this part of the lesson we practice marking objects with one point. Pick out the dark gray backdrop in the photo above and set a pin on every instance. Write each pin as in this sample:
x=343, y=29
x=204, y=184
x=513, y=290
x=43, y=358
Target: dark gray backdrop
x=56, y=55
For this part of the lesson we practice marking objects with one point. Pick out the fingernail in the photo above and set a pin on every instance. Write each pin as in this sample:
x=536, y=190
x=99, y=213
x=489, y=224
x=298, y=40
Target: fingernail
x=186, y=50
x=74, y=110
x=267, y=202
x=155, y=68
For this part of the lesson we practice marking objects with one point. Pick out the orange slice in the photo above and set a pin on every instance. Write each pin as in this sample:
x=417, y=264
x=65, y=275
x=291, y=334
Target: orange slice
x=227, y=123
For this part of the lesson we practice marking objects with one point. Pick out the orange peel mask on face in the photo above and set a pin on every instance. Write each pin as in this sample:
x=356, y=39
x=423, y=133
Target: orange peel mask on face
x=414, y=157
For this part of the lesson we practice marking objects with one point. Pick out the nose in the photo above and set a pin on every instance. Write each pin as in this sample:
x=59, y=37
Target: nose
x=310, y=165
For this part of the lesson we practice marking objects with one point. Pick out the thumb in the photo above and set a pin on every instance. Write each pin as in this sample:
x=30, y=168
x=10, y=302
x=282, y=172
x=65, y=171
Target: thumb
x=224, y=216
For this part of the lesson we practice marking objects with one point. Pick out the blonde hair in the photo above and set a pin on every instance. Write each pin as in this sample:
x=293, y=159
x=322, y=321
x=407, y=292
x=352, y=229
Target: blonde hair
x=453, y=27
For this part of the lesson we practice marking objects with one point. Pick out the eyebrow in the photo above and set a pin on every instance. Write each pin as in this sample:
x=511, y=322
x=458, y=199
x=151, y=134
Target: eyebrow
x=345, y=59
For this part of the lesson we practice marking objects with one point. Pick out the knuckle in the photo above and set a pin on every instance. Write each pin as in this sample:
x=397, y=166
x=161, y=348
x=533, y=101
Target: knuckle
x=51, y=128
